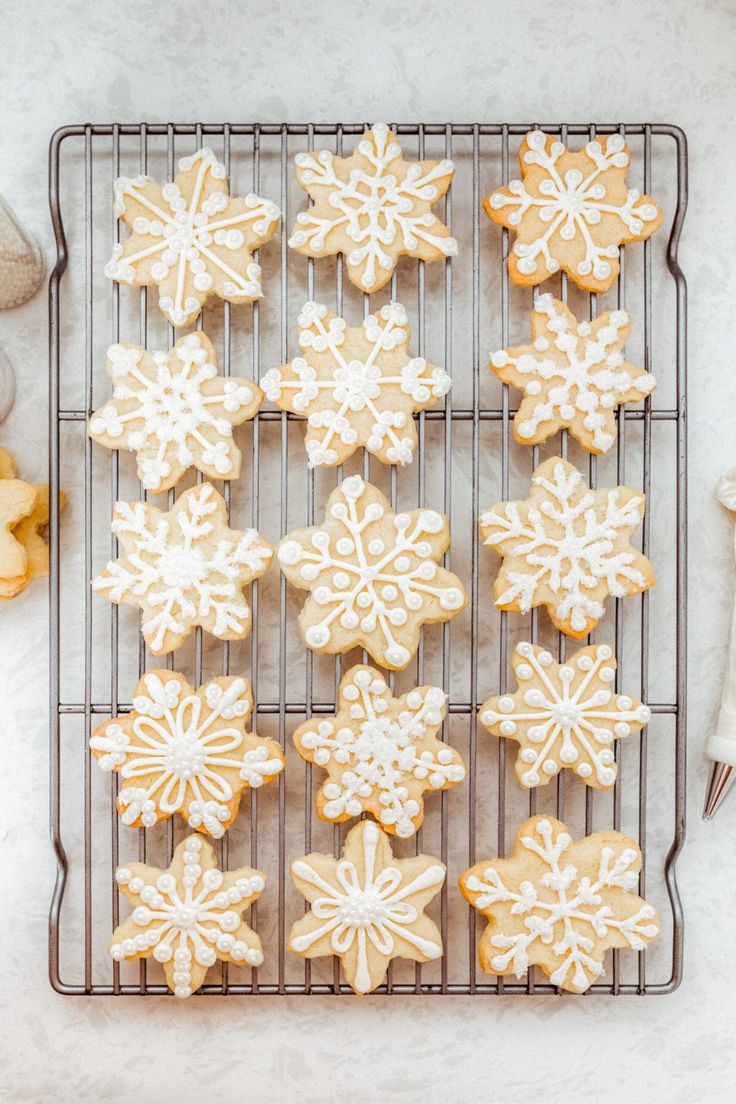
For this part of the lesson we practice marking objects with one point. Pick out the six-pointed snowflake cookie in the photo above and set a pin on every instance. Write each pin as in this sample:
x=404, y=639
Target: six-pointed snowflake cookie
x=381, y=753
x=373, y=575
x=372, y=206
x=564, y=715
x=560, y=903
x=183, y=568
x=571, y=211
x=357, y=386
x=191, y=238
x=567, y=547
x=186, y=752
x=173, y=410
x=573, y=375
x=367, y=907
x=188, y=916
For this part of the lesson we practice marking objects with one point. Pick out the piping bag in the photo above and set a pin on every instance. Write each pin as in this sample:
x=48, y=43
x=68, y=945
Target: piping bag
x=721, y=745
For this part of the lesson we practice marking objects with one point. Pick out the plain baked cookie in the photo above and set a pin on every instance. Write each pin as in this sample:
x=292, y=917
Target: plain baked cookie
x=381, y=753
x=188, y=916
x=372, y=574
x=356, y=385
x=190, y=237
x=560, y=903
x=372, y=206
x=567, y=547
x=367, y=907
x=185, y=751
x=564, y=715
x=571, y=211
x=174, y=411
x=184, y=567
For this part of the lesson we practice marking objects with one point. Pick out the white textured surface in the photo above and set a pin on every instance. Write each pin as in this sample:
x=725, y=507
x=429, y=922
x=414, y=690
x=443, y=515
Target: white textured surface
x=671, y=61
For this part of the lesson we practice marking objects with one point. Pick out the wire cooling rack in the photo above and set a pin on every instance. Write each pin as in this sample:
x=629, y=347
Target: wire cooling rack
x=466, y=461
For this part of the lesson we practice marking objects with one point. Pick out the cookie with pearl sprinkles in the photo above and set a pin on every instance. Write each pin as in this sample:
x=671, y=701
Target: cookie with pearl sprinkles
x=567, y=547
x=373, y=207
x=174, y=411
x=573, y=376
x=357, y=386
x=381, y=753
x=184, y=567
x=188, y=916
x=564, y=715
x=186, y=752
x=571, y=210
x=367, y=907
x=373, y=575
x=191, y=238
x=560, y=903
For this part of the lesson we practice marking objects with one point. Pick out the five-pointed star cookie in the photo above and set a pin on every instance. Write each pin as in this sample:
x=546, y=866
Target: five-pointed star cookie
x=184, y=567
x=381, y=753
x=571, y=211
x=573, y=375
x=567, y=547
x=173, y=410
x=191, y=238
x=560, y=903
x=367, y=907
x=372, y=574
x=186, y=752
x=564, y=715
x=188, y=916
x=356, y=385
x=372, y=206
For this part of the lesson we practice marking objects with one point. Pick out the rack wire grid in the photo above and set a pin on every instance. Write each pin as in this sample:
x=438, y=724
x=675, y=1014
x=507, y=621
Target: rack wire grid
x=466, y=461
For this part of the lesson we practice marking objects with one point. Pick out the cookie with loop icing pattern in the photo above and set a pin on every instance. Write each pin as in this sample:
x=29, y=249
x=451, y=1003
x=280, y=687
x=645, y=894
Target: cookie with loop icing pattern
x=373, y=206
x=190, y=238
x=571, y=210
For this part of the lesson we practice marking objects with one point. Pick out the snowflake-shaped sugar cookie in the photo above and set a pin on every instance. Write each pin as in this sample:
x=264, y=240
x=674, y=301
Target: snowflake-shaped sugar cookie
x=191, y=237
x=367, y=907
x=560, y=903
x=573, y=375
x=381, y=753
x=564, y=715
x=186, y=752
x=184, y=568
x=372, y=206
x=567, y=547
x=174, y=410
x=572, y=211
x=372, y=574
x=188, y=916
x=356, y=385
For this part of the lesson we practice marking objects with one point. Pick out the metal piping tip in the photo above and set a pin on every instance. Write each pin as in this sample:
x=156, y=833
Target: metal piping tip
x=721, y=777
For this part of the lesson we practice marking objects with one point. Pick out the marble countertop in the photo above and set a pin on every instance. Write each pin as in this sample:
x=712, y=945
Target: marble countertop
x=661, y=61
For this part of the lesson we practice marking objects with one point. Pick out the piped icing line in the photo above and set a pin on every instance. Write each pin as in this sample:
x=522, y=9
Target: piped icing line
x=373, y=206
x=357, y=386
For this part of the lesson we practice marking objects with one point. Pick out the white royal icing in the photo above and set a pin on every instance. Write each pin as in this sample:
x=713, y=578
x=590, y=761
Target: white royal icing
x=592, y=379
x=567, y=541
x=181, y=748
x=374, y=206
x=173, y=416
x=173, y=568
x=570, y=726
x=572, y=205
x=201, y=240
x=376, y=753
x=188, y=920
x=371, y=584
x=355, y=386
x=368, y=909
x=564, y=910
